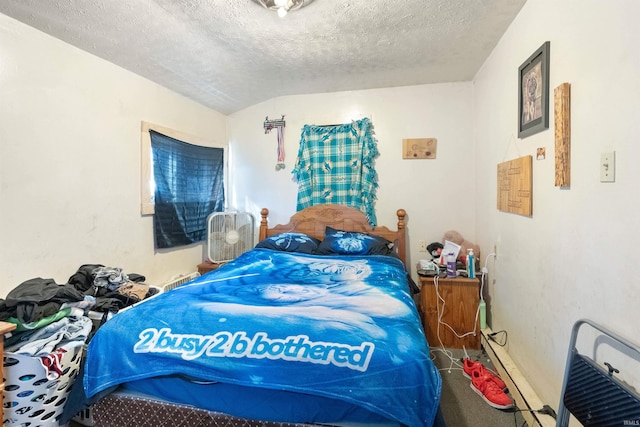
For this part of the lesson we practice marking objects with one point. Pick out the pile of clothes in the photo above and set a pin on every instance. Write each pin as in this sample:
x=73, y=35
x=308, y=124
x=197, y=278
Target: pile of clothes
x=111, y=287
x=52, y=319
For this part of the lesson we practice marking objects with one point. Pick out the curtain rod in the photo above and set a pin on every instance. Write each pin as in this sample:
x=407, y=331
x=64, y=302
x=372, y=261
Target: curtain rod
x=335, y=124
x=344, y=123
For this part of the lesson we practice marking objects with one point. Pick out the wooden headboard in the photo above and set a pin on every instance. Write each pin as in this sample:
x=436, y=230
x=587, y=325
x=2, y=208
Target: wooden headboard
x=313, y=221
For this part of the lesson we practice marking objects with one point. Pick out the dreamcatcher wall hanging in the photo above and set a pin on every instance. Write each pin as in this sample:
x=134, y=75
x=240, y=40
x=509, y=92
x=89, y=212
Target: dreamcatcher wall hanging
x=279, y=125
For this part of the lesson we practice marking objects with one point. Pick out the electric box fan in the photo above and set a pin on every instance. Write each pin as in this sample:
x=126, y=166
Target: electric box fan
x=230, y=234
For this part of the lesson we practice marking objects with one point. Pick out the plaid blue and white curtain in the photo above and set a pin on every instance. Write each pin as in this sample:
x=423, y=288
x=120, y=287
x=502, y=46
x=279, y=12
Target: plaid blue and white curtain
x=336, y=165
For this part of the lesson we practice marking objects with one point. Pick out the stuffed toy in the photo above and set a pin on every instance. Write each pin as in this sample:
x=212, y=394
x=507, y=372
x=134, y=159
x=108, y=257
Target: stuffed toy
x=455, y=237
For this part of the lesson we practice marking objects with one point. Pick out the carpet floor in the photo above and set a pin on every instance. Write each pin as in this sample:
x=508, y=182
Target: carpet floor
x=461, y=406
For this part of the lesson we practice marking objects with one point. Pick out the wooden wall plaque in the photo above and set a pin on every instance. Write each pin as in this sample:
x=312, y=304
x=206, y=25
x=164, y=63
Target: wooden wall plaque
x=419, y=148
x=515, y=186
x=562, y=117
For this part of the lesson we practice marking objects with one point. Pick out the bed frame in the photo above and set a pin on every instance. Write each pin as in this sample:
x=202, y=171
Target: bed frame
x=313, y=221
x=116, y=410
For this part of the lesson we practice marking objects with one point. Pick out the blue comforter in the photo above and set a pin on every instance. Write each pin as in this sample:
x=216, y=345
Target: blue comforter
x=343, y=328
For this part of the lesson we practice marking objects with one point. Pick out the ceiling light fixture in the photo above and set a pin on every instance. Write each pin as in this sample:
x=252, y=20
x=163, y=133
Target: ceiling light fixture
x=283, y=6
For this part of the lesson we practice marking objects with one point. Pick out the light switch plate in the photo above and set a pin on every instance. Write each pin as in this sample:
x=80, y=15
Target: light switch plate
x=608, y=167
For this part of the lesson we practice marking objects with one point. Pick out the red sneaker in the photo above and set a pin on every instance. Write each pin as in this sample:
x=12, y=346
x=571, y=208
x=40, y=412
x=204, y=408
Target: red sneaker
x=470, y=366
x=486, y=387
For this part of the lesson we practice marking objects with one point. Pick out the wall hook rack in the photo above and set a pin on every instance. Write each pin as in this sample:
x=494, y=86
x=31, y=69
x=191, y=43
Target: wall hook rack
x=279, y=126
x=271, y=124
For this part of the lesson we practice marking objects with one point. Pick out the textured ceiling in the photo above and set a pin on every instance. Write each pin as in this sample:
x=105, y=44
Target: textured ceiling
x=230, y=54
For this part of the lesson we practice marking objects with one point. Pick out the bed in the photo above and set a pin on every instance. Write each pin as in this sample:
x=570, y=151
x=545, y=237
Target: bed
x=288, y=334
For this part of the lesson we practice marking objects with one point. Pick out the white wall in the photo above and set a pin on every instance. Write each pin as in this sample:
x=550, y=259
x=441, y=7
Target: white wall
x=69, y=170
x=437, y=194
x=576, y=256
x=70, y=161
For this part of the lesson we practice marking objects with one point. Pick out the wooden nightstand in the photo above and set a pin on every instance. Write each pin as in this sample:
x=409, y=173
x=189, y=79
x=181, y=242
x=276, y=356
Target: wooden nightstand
x=461, y=296
x=207, y=266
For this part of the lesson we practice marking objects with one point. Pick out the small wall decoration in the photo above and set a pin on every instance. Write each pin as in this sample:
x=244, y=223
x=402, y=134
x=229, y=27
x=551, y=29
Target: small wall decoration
x=419, y=148
x=533, y=93
x=541, y=153
x=562, y=126
x=515, y=186
x=279, y=125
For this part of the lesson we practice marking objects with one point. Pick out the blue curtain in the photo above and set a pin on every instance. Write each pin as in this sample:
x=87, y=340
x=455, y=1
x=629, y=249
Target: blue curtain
x=189, y=187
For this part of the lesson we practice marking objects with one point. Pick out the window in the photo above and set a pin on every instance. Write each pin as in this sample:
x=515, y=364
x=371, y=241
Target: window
x=183, y=180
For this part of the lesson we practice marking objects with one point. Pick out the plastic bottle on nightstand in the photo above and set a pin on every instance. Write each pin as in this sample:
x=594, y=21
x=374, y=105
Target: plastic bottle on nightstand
x=451, y=265
x=471, y=264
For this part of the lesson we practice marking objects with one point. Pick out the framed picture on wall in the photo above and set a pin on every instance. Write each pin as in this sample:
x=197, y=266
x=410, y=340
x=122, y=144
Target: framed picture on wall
x=533, y=93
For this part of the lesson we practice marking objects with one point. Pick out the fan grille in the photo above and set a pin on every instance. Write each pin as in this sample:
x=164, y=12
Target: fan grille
x=230, y=234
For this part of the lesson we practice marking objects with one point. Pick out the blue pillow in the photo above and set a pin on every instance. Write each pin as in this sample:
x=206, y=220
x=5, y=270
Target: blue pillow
x=290, y=242
x=338, y=242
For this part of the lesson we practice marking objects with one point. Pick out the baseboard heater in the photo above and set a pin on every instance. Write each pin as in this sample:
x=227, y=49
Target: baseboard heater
x=180, y=280
x=521, y=391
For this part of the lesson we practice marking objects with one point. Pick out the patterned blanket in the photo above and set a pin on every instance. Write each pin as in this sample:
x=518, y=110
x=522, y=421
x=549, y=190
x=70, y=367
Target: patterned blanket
x=343, y=328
